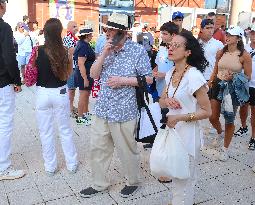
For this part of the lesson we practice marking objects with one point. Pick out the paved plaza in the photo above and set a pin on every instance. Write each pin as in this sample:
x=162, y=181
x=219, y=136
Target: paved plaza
x=229, y=183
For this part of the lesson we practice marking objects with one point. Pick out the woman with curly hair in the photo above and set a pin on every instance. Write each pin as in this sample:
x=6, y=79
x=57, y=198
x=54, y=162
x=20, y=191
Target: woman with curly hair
x=186, y=98
x=54, y=65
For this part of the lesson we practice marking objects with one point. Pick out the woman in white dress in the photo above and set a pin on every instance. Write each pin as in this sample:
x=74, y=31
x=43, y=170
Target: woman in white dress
x=186, y=97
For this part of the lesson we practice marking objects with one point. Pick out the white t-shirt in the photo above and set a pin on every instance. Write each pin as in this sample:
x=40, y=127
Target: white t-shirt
x=188, y=131
x=24, y=43
x=210, y=48
x=251, y=50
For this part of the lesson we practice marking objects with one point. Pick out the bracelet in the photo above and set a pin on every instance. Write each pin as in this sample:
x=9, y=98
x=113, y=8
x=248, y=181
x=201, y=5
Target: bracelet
x=191, y=117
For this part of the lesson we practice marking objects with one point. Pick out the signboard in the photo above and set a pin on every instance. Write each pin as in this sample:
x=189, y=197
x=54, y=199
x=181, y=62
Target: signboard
x=116, y=3
x=63, y=10
x=222, y=6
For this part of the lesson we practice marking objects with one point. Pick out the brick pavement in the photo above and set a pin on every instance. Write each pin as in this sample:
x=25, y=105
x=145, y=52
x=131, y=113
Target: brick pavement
x=227, y=183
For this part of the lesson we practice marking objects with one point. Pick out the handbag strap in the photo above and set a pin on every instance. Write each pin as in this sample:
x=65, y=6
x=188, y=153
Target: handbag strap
x=167, y=89
x=141, y=92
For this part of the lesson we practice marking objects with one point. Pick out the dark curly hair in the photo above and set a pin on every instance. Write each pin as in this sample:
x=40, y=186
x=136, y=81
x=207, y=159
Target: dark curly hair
x=196, y=58
x=57, y=53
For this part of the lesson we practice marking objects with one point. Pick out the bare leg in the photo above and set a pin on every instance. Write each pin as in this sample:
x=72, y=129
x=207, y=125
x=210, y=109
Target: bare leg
x=229, y=131
x=71, y=98
x=253, y=121
x=215, y=117
x=81, y=103
x=244, y=114
x=86, y=101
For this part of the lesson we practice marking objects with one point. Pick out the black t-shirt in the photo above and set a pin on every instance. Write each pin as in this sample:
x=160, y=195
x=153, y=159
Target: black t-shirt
x=46, y=77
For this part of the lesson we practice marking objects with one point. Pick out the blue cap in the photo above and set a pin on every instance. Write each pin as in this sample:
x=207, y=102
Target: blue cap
x=177, y=14
x=206, y=22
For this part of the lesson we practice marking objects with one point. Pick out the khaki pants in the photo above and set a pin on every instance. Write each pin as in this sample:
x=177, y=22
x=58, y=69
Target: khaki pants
x=104, y=137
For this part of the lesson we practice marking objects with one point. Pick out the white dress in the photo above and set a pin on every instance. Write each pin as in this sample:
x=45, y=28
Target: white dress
x=190, y=132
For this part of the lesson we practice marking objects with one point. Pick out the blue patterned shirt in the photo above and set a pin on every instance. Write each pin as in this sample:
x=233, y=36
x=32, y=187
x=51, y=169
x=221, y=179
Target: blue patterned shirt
x=119, y=104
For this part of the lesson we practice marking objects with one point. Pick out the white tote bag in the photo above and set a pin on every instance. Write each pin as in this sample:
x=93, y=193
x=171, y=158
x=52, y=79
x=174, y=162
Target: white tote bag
x=146, y=127
x=168, y=156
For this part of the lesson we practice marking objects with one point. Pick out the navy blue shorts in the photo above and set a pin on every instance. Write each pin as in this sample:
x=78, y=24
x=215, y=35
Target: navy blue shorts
x=79, y=81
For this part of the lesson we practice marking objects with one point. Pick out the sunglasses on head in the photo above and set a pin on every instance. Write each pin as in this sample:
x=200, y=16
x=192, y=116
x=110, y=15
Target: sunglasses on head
x=3, y=1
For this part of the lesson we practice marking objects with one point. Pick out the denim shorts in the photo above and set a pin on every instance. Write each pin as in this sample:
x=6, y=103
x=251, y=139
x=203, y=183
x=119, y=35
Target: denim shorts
x=71, y=82
x=213, y=94
x=230, y=117
x=23, y=60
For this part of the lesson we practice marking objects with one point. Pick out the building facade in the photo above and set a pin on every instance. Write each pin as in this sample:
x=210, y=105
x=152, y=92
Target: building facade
x=152, y=12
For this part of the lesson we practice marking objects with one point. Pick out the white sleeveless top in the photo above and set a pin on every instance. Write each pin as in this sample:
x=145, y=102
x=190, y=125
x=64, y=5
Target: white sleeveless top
x=188, y=131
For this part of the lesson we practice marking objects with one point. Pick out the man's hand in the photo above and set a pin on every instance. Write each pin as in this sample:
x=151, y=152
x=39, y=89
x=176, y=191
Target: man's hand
x=107, y=49
x=116, y=81
x=17, y=89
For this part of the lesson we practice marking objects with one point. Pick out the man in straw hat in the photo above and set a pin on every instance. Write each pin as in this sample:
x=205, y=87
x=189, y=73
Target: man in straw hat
x=114, y=125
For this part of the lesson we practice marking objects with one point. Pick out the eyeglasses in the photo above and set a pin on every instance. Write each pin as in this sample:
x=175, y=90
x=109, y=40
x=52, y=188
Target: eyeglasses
x=174, y=46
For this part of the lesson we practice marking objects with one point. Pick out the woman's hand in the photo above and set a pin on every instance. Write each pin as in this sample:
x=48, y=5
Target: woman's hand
x=86, y=82
x=172, y=120
x=228, y=76
x=172, y=103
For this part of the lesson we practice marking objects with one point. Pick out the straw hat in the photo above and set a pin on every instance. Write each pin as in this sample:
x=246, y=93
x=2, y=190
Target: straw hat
x=117, y=21
x=85, y=30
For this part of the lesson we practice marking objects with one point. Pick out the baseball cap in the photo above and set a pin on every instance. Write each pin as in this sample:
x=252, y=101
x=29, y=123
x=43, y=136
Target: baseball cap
x=19, y=24
x=206, y=22
x=235, y=31
x=177, y=14
x=253, y=28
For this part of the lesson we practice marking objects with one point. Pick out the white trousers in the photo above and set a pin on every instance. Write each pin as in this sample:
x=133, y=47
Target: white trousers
x=183, y=189
x=7, y=107
x=50, y=104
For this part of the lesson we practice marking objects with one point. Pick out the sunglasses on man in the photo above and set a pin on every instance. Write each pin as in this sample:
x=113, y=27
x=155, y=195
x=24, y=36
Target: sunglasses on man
x=3, y=1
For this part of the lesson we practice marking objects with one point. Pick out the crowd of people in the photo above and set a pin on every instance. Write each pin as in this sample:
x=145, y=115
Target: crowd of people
x=196, y=77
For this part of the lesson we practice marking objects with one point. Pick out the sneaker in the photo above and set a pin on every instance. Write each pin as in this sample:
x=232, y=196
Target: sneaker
x=253, y=168
x=88, y=115
x=242, y=132
x=128, y=191
x=87, y=120
x=51, y=173
x=251, y=145
x=73, y=114
x=74, y=170
x=89, y=192
x=80, y=120
x=217, y=140
x=224, y=155
x=11, y=173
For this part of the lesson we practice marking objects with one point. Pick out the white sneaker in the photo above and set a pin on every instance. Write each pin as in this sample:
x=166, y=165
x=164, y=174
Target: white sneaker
x=51, y=174
x=224, y=154
x=74, y=170
x=253, y=168
x=218, y=139
x=11, y=173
